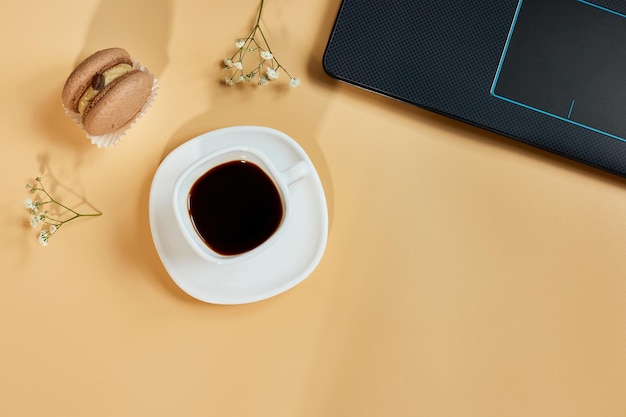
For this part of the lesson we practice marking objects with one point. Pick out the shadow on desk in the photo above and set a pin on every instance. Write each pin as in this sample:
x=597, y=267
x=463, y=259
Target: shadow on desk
x=144, y=35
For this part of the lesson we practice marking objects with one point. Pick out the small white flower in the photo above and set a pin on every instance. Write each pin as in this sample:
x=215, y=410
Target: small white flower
x=228, y=63
x=240, y=79
x=240, y=43
x=271, y=73
x=33, y=221
x=53, y=230
x=263, y=80
x=41, y=217
x=43, y=238
x=28, y=203
x=229, y=81
x=238, y=65
x=249, y=77
x=294, y=82
x=266, y=55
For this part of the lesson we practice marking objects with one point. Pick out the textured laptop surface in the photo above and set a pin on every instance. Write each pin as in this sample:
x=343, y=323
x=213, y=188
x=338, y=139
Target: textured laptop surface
x=549, y=73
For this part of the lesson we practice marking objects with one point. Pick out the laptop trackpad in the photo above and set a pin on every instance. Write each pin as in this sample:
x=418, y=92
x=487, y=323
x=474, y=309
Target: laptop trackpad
x=566, y=59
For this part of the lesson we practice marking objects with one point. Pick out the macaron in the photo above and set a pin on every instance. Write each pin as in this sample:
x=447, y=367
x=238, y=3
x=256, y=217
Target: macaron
x=107, y=91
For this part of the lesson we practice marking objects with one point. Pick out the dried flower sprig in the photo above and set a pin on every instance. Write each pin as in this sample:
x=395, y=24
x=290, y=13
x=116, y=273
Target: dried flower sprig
x=40, y=214
x=268, y=67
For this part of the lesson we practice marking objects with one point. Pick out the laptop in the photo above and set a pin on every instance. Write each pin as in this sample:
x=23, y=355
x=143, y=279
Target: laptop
x=549, y=73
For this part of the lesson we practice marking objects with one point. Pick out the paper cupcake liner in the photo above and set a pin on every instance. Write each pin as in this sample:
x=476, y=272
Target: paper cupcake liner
x=110, y=139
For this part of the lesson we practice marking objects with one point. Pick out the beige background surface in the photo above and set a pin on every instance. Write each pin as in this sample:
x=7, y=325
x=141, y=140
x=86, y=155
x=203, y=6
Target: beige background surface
x=465, y=274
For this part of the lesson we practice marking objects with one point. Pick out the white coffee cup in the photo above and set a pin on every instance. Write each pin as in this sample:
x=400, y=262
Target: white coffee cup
x=283, y=180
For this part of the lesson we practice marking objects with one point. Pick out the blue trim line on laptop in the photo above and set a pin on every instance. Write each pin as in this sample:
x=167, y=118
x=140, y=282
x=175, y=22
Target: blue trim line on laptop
x=569, y=114
x=506, y=47
x=597, y=6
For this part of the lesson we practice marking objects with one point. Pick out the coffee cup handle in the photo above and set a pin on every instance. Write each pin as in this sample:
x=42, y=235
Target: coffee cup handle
x=295, y=173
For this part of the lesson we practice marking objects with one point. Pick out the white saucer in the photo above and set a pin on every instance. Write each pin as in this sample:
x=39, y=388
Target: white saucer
x=281, y=266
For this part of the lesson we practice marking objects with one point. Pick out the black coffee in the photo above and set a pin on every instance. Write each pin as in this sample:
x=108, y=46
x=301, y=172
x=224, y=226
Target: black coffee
x=235, y=207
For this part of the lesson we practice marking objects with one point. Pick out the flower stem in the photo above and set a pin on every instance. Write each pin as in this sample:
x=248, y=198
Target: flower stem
x=52, y=224
x=52, y=200
x=256, y=42
x=258, y=19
